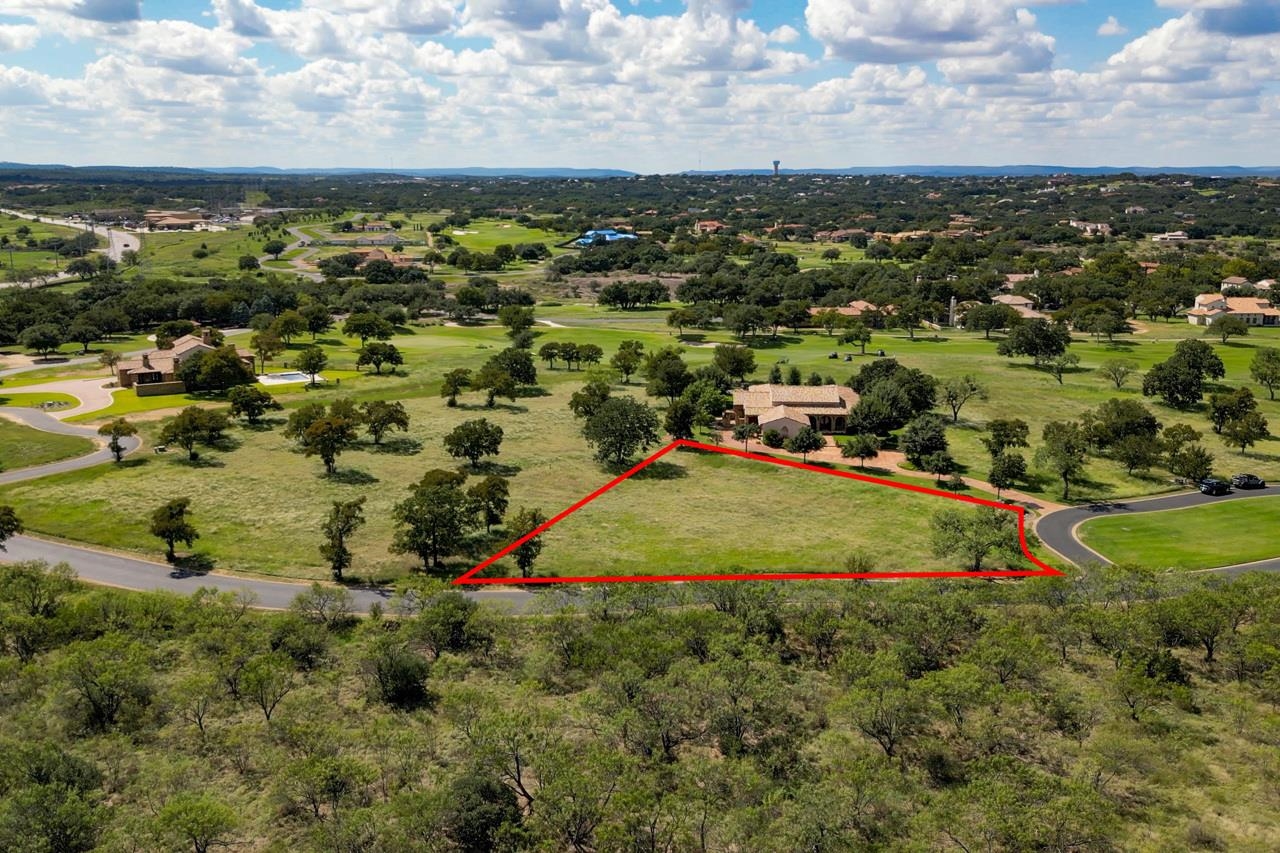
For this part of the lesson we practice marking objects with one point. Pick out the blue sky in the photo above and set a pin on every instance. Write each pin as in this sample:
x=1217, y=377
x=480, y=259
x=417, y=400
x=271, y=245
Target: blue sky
x=650, y=85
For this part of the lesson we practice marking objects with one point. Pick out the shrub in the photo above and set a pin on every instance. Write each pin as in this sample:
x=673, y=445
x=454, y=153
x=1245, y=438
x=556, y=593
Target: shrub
x=773, y=438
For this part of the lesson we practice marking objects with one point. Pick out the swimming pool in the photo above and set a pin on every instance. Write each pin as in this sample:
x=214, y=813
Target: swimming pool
x=287, y=378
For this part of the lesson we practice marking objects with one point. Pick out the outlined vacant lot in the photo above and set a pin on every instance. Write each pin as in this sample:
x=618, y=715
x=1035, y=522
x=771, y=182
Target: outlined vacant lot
x=723, y=534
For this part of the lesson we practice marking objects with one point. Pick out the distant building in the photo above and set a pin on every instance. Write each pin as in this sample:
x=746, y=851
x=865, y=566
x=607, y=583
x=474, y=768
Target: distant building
x=856, y=308
x=1024, y=306
x=1091, y=229
x=1253, y=310
x=174, y=220
x=603, y=235
x=1170, y=237
x=709, y=226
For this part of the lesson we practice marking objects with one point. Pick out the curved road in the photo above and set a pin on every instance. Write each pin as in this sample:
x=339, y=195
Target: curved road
x=130, y=572
x=1058, y=529
x=44, y=422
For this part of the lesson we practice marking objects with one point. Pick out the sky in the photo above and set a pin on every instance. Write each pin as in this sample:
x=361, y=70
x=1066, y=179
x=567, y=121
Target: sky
x=654, y=86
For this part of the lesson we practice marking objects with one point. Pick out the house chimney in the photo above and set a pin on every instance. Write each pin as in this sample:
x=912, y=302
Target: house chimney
x=146, y=360
x=206, y=335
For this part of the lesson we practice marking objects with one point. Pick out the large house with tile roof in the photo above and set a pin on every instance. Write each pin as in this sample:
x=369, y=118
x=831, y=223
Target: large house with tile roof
x=790, y=408
x=1253, y=310
x=156, y=372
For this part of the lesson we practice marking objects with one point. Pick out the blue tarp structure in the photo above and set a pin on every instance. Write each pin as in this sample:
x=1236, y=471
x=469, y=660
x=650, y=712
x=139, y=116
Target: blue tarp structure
x=604, y=235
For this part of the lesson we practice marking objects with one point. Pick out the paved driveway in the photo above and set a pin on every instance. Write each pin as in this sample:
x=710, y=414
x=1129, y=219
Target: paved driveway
x=1059, y=529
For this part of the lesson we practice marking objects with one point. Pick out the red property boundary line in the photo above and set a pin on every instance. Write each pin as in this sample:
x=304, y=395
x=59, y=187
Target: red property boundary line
x=1044, y=570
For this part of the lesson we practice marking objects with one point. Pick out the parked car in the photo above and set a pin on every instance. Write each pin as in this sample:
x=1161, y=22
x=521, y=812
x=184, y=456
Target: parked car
x=1214, y=487
x=1248, y=481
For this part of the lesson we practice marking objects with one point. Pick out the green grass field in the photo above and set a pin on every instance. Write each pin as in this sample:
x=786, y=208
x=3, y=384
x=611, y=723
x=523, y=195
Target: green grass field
x=21, y=446
x=169, y=253
x=1200, y=538
x=705, y=513
x=258, y=507
x=810, y=254
x=22, y=400
x=16, y=257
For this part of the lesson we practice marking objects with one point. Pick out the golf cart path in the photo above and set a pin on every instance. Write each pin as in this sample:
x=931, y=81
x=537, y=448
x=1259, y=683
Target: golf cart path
x=1060, y=529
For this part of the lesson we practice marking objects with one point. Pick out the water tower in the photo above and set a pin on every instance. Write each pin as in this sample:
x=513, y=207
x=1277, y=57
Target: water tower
x=776, y=164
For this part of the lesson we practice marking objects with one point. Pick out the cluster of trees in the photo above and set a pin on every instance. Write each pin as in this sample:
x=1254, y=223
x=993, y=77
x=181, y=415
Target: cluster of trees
x=629, y=295
x=501, y=376
x=328, y=431
x=440, y=518
x=1049, y=714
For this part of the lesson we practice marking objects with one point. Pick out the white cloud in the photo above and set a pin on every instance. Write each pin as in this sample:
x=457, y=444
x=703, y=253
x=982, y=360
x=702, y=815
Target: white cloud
x=784, y=34
x=1112, y=27
x=18, y=36
x=594, y=81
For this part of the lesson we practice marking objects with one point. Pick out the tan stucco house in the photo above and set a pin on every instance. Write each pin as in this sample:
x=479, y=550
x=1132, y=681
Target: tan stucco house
x=156, y=372
x=789, y=408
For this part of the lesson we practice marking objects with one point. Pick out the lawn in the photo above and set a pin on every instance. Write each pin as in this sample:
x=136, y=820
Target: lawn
x=21, y=446
x=707, y=513
x=484, y=235
x=169, y=253
x=1204, y=537
x=810, y=254
x=34, y=400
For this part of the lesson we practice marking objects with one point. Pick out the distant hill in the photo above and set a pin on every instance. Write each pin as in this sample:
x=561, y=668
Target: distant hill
x=1018, y=171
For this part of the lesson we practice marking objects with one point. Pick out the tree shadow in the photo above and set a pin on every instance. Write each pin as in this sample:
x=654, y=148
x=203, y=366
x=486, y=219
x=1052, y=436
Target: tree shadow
x=530, y=391
x=351, y=477
x=401, y=446
x=201, y=461
x=775, y=343
x=227, y=443
x=192, y=565
x=500, y=469
x=654, y=471
x=263, y=425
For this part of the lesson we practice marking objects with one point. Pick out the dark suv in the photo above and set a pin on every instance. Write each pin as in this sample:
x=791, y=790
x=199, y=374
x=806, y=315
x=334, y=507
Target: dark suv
x=1248, y=481
x=1214, y=487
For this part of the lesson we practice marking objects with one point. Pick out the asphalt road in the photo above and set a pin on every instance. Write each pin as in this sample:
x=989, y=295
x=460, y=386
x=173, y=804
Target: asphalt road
x=46, y=423
x=128, y=572
x=1058, y=529
x=118, y=570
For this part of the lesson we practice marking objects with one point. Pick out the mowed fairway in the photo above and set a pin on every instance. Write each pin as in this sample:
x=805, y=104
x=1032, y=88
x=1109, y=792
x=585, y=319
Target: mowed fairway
x=706, y=513
x=1201, y=538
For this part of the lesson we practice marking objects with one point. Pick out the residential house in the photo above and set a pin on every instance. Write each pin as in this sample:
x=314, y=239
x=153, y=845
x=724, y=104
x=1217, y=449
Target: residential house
x=790, y=408
x=1025, y=307
x=156, y=372
x=856, y=308
x=709, y=226
x=1253, y=310
x=1235, y=281
x=1170, y=237
x=1091, y=229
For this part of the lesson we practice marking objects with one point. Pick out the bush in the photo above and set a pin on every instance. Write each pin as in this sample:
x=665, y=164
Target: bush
x=774, y=439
